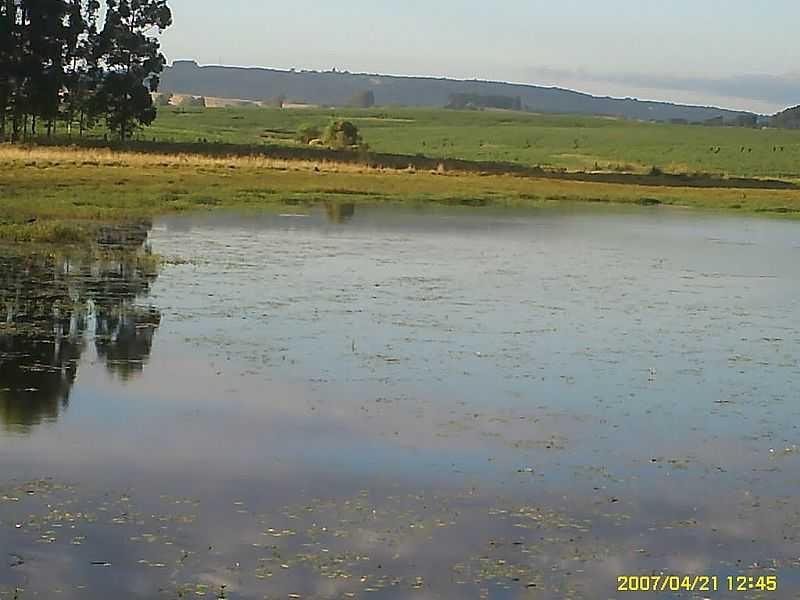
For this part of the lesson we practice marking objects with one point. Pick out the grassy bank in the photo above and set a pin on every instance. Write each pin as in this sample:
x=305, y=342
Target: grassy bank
x=655, y=177
x=60, y=194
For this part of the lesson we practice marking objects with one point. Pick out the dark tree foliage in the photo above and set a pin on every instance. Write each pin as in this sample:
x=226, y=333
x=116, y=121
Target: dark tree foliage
x=58, y=66
x=84, y=72
x=341, y=135
x=132, y=62
x=476, y=101
x=9, y=59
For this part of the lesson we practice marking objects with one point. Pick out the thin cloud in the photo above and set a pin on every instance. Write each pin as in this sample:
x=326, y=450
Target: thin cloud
x=778, y=90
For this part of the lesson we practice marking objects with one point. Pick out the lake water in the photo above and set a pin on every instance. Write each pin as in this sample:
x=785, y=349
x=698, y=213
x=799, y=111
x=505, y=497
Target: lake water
x=401, y=402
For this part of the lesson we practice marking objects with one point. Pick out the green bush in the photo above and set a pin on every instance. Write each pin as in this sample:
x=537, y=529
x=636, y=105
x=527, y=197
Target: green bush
x=341, y=135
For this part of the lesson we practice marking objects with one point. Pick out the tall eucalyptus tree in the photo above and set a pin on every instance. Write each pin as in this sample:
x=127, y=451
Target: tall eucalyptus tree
x=132, y=61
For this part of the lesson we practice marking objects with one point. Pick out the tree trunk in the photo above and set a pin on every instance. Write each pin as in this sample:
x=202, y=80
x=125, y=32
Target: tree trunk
x=3, y=108
x=15, y=127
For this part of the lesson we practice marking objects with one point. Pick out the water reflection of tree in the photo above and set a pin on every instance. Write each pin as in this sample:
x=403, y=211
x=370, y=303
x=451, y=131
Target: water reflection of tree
x=124, y=338
x=340, y=212
x=35, y=379
x=51, y=301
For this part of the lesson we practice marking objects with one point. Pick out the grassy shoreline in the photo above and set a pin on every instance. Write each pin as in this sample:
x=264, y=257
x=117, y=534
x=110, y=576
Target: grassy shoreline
x=61, y=193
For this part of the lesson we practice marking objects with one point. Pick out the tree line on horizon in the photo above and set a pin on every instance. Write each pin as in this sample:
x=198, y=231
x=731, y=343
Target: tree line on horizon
x=481, y=101
x=76, y=63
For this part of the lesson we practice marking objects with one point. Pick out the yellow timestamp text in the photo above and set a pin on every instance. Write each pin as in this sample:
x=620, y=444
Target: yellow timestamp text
x=697, y=583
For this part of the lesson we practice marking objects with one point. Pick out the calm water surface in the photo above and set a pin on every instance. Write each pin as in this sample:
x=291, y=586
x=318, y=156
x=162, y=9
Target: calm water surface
x=395, y=402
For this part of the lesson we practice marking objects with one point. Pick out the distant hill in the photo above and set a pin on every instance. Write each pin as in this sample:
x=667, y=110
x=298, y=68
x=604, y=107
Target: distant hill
x=333, y=88
x=788, y=119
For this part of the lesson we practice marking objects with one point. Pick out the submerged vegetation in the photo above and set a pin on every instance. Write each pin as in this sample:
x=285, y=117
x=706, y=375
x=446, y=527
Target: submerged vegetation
x=426, y=403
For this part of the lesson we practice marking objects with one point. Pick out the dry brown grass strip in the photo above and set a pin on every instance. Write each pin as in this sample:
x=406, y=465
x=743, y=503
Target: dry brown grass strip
x=76, y=156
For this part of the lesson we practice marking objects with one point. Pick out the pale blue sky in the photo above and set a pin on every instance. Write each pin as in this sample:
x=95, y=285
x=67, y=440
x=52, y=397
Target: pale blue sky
x=741, y=53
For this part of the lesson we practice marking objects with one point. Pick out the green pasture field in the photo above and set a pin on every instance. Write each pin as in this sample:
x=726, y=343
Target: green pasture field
x=550, y=141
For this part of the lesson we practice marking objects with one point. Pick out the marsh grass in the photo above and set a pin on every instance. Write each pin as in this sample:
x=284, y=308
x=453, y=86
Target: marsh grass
x=56, y=232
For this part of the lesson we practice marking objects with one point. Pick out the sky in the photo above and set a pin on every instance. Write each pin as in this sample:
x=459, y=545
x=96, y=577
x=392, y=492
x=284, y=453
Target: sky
x=739, y=54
